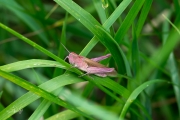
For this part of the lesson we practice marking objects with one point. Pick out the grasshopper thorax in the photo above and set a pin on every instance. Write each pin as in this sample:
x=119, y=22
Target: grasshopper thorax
x=77, y=61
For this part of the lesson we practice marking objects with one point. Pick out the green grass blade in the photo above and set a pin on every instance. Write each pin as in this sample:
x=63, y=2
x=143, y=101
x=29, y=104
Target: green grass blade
x=135, y=93
x=128, y=20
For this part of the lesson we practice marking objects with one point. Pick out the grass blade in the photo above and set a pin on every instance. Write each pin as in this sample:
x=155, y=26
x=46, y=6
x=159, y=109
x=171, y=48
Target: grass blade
x=128, y=20
x=135, y=93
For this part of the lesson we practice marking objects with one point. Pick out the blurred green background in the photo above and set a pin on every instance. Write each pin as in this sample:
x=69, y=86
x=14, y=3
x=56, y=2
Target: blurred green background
x=47, y=23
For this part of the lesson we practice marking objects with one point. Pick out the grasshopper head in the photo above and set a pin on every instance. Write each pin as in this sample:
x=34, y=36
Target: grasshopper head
x=72, y=58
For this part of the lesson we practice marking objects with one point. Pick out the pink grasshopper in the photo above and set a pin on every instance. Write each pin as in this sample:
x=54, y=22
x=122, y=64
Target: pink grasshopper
x=90, y=66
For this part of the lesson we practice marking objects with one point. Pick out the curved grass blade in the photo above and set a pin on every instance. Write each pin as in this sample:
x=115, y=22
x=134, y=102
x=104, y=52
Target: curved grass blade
x=135, y=93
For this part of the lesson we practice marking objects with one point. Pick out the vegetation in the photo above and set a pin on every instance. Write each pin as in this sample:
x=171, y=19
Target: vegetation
x=37, y=82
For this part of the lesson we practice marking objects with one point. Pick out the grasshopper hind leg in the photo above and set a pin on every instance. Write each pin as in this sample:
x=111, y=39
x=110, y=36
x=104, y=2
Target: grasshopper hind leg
x=101, y=75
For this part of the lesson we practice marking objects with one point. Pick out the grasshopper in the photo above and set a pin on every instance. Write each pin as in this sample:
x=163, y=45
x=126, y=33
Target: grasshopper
x=90, y=66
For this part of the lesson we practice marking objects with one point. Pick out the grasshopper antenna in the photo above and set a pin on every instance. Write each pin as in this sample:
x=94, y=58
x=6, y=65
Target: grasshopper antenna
x=65, y=47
